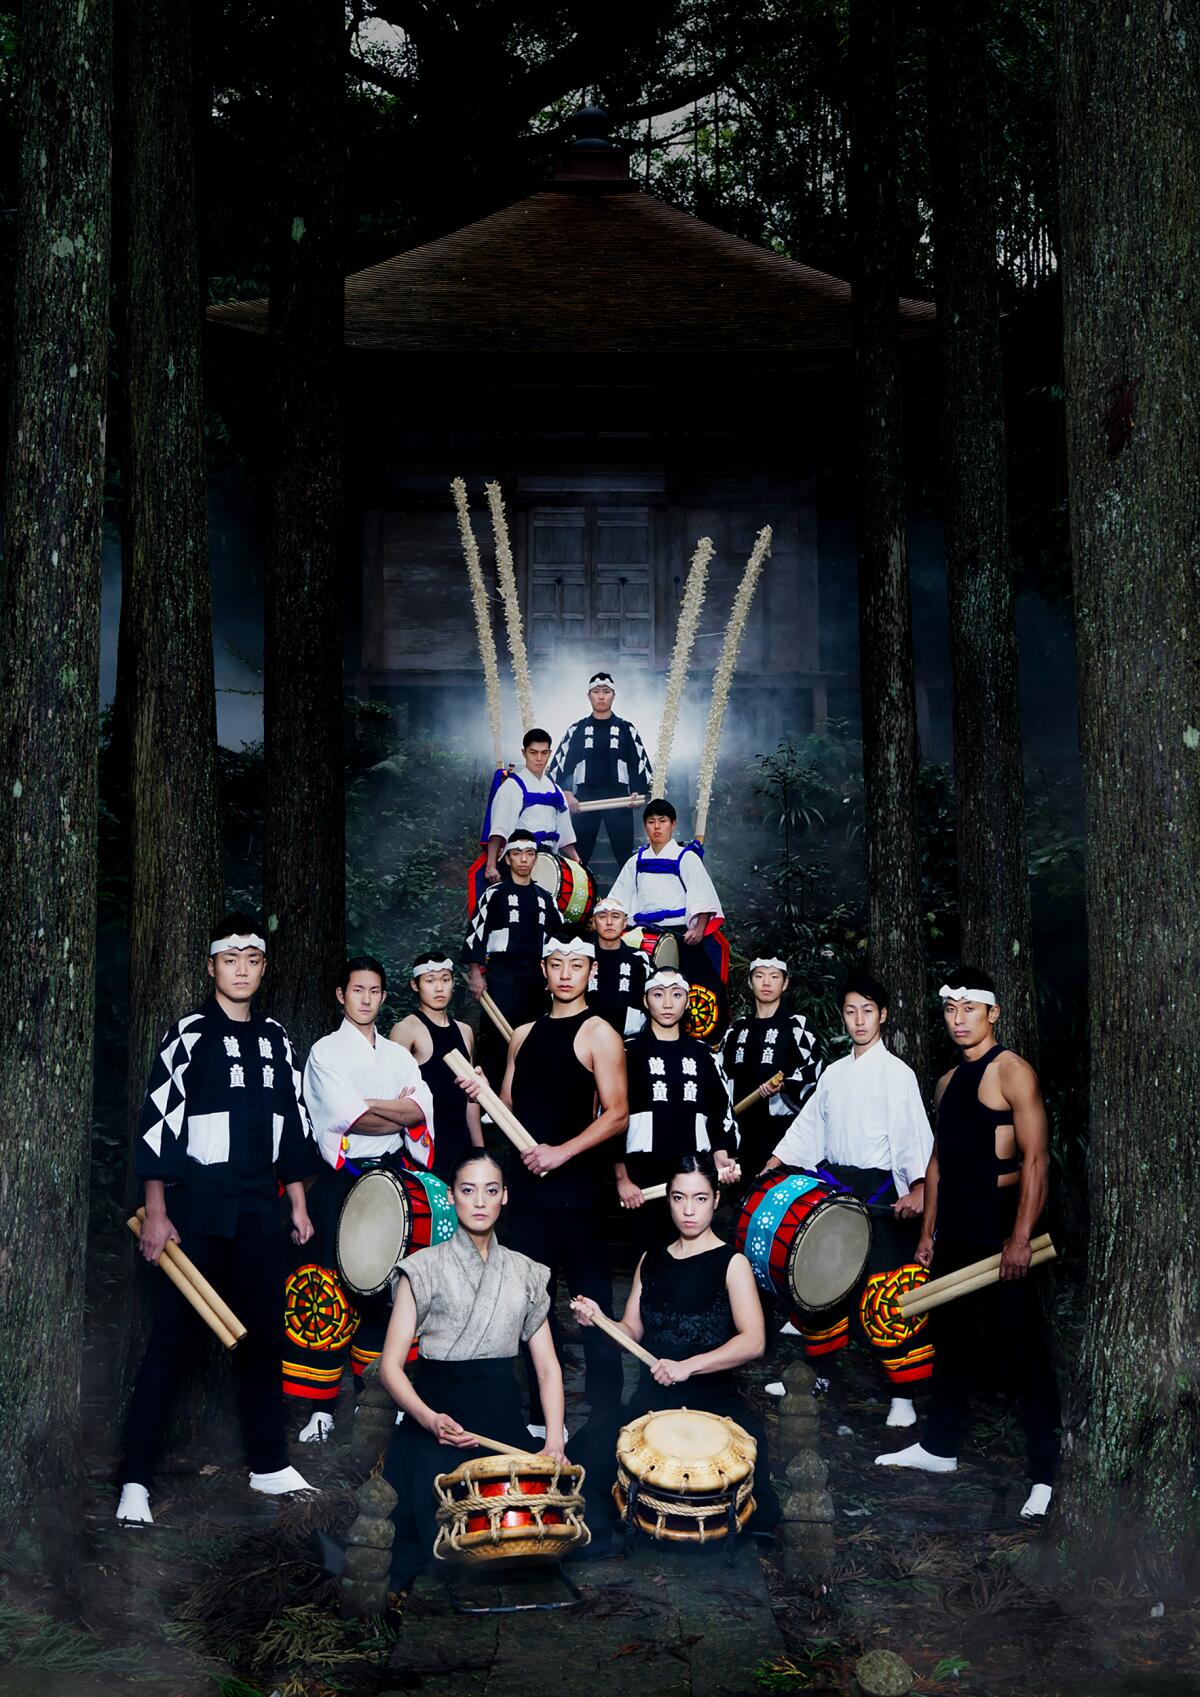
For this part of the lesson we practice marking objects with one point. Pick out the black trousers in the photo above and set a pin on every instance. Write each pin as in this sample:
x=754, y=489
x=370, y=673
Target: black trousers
x=1002, y=1328
x=248, y=1272
x=519, y=991
x=617, y=821
x=573, y=1243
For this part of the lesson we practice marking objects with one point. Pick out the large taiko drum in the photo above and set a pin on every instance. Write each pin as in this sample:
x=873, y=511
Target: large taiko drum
x=684, y=1476
x=387, y=1215
x=568, y=883
x=806, y=1243
x=499, y=1507
x=661, y=947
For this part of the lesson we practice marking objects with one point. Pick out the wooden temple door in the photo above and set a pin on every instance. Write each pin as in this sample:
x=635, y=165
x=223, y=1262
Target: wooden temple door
x=590, y=590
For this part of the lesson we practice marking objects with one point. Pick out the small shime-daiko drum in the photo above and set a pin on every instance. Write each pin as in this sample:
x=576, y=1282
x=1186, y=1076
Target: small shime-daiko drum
x=685, y=1476
x=806, y=1243
x=568, y=883
x=387, y=1215
x=500, y=1507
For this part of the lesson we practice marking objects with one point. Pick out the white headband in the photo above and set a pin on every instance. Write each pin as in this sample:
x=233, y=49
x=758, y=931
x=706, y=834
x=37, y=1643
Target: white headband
x=962, y=994
x=667, y=977
x=769, y=960
x=432, y=966
x=572, y=946
x=253, y=941
x=601, y=678
x=608, y=905
x=521, y=843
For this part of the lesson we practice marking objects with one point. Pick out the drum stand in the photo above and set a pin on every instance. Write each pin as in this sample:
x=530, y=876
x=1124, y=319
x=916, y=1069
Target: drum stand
x=732, y=1529
x=551, y=1569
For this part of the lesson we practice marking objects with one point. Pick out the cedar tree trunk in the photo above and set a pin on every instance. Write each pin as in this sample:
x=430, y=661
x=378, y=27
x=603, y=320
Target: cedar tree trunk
x=50, y=636
x=304, y=870
x=890, y=751
x=1129, y=148
x=993, y=877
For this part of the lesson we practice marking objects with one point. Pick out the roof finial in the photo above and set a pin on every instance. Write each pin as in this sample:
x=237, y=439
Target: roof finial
x=593, y=156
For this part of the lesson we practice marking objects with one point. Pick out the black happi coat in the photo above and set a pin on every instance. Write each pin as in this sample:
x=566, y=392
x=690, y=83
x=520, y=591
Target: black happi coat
x=620, y=987
x=677, y=1104
x=597, y=758
x=511, y=923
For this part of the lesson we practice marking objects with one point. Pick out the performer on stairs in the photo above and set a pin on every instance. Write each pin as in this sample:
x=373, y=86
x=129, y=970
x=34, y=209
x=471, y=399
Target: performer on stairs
x=529, y=800
x=429, y=1034
x=601, y=758
x=619, y=981
x=754, y=1050
x=503, y=950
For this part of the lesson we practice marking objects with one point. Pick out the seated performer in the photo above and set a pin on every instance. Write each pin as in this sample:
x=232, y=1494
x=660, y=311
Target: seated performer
x=677, y=1106
x=558, y=1067
x=222, y=1127
x=474, y=1303
x=694, y=1305
x=755, y=1049
x=428, y=1035
x=503, y=950
x=369, y=1107
x=602, y=758
x=527, y=798
x=666, y=886
x=864, y=1129
x=619, y=981
x=985, y=1190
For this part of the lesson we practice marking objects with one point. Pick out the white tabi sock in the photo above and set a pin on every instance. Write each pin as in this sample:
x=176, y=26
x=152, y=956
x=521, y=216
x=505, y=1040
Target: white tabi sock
x=915, y=1456
x=787, y=1330
x=902, y=1412
x=776, y=1388
x=279, y=1483
x=134, y=1506
x=1036, y=1503
x=317, y=1430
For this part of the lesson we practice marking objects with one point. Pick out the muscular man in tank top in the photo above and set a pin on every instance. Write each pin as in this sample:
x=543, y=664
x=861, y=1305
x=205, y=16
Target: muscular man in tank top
x=566, y=1083
x=429, y=1034
x=985, y=1190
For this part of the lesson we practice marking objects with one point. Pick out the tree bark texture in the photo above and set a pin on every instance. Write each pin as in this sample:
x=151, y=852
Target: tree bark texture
x=993, y=875
x=1129, y=149
x=48, y=733
x=891, y=755
x=175, y=877
x=304, y=872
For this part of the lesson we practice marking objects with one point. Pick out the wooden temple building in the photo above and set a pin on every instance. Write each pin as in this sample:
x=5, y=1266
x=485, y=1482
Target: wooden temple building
x=634, y=378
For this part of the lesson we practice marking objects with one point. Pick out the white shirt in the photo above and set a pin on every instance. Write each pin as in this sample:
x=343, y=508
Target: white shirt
x=342, y=1071
x=644, y=895
x=509, y=810
x=865, y=1112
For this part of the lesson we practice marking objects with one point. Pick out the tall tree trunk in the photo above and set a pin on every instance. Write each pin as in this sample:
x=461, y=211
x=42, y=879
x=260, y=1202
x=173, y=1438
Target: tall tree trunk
x=891, y=755
x=993, y=877
x=1129, y=147
x=175, y=878
x=304, y=872
x=48, y=733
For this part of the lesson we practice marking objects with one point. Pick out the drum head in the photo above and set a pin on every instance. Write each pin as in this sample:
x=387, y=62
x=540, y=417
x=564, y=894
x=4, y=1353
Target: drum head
x=689, y=1434
x=666, y=953
x=686, y=1450
x=548, y=873
x=828, y=1257
x=372, y=1232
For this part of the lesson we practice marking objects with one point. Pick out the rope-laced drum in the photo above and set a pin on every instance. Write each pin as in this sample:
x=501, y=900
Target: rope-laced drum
x=685, y=1476
x=386, y=1216
x=806, y=1243
x=499, y=1507
x=568, y=883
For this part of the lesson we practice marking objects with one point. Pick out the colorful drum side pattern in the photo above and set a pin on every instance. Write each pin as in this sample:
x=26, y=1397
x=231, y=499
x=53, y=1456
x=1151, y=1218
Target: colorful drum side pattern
x=568, y=883
x=805, y=1243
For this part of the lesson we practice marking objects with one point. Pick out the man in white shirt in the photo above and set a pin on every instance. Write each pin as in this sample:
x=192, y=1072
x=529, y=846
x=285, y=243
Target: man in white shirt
x=864, y=1129
x=369, y=1106
x=529, y=799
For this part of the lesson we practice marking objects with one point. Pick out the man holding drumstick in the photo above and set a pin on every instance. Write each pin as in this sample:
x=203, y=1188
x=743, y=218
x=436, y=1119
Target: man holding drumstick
x=985, y=1190
x=223, y=1126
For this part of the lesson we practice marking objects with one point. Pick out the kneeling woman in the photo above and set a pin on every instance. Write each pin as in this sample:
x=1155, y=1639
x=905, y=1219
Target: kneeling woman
x=473, y=1304
x=694, y=1305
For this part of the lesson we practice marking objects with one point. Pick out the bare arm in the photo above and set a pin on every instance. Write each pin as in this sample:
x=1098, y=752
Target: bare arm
x=157, y=1231
x=550, y=1389
x=400, y=1333
x=630, y=1322
x=747, y=1343
x=473, y=1121
x=1020, y=1085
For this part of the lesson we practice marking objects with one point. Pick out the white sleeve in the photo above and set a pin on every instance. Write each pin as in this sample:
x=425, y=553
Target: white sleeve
x=419, y=1148
x=803, y=1143
x=506, y=809
x=566, y=830
x=909, y=1136
x=333, y=1105
x=701, y=894
x=625, y=888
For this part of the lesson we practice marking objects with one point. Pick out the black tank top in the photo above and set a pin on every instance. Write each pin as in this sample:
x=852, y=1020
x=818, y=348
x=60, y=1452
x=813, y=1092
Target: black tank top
x=450, y=1133
x=685, y=1306
x=553, y=1096
x=970, y=1206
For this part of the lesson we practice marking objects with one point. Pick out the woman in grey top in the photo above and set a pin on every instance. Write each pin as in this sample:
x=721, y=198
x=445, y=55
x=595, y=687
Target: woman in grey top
x=471, y=1303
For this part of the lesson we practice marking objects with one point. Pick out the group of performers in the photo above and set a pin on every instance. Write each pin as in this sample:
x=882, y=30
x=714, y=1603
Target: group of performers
x=240, y=1152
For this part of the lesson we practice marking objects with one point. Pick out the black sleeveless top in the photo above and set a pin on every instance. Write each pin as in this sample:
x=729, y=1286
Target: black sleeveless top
x=450, y=1133
x=970, y=1207
x=685, y=1307
x=554, y=1096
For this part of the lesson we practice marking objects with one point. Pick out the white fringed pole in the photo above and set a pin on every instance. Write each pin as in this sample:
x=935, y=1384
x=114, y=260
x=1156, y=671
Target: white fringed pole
x=723, y=676
x=685, y=639
x=483, y=620
x=506, y=577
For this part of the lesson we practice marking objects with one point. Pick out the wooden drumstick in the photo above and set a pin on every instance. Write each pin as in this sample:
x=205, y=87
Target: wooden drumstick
x=755, y=1096
x=616, y=801
x=504, y=1117
x=613, y=1331
x=937, y=1294
x=188, y=1290
x=497, y=1018
x=502, y=1449
x=653, y=1192
x=199, y=1283
x=961, y=1275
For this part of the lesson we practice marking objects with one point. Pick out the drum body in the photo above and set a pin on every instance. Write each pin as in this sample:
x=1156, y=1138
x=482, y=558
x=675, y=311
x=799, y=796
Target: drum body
x=661, y=946
x=499, y=1507
x=568, y=883
x=806, y=1243
x=684, y=1476
x=387, y=1215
